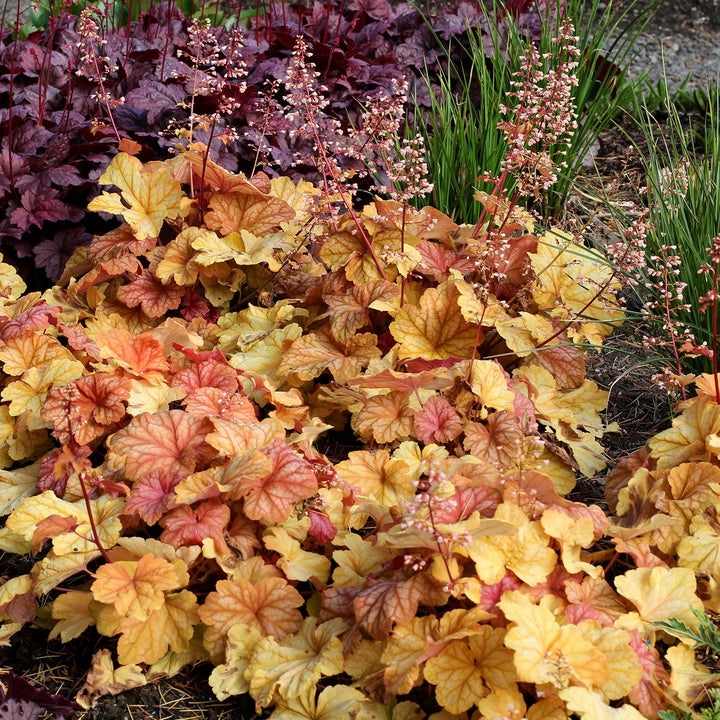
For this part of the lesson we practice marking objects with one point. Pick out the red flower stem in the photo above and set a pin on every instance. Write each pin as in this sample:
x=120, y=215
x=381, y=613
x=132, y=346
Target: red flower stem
x=91, y=517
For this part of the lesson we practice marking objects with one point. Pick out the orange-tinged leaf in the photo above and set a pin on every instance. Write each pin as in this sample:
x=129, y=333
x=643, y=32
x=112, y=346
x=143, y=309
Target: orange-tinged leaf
x=147, y=200
x=436, y=329
x=269, y=604
x=385, y=418
x=28, y=394
x=239, y=211
x=407, y=383
x=178, y=262
x=171, y=441
x=649, y=694
x=140, y=354
x=349, y=310
x=310, y=355
x=30, y=349
x=236, y=438
x=51, y=527
x=187, y=526
x=170, y=627
x=153, y=296
x=273, y=497
x=135, y=588
x=498, y=441
x=209, y=401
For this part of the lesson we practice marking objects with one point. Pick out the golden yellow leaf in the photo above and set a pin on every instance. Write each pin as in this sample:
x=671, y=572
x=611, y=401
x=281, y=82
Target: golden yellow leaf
x=701, y=550
x=360, y=559
x=337, y=702
x=404, y=651
x=545, y=651
x=169, y=627
x=104, y=679
x=457, y=677
x=490, y=384
x=229, y=678
x=11, y=284
x=16, y=485
x=463, y=671
x=688, y=677
x=34, y=509
x=690, y=432
x=265, y=355
x=147, y=198
x=436, y=329
x=615, y=644
x=293, y=665
x=658, y=593
x=296, y=563
x=376, y=476
x=135, y=588
x=573, y=534
x=29, y=393
x=526, y=551
x=72, y=612
x=590, y=705
x=503, y=704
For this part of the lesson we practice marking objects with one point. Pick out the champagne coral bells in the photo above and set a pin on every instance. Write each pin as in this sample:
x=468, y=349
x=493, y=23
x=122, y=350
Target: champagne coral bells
x=427, y=548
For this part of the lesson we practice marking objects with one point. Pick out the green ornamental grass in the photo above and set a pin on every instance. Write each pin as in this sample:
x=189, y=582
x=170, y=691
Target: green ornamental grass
x=461, y=126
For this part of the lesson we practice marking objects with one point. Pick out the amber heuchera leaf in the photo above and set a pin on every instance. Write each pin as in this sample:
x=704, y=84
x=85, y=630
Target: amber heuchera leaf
x=235, y=212
x=385, y=418
x=269, y=604
x=436, y=329
x=135, y=588
x=272, y=498
x=170, y=441
x=148, y=198
x=169, y=628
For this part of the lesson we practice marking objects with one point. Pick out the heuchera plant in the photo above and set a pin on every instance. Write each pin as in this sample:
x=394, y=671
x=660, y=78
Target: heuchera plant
x=169, y=418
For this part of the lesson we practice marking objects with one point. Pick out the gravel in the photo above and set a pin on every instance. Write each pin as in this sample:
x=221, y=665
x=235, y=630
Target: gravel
x=681, y=39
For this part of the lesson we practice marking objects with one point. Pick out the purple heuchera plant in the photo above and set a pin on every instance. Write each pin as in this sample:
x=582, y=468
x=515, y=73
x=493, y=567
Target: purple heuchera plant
x=19, y=700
